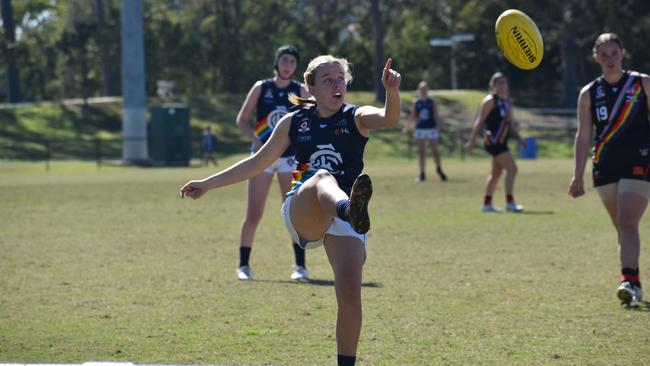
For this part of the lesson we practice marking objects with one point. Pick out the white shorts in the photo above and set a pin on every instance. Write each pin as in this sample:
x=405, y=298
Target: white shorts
x=608, y=192
x=338, y=227
x=281, y=165
x=425, y=134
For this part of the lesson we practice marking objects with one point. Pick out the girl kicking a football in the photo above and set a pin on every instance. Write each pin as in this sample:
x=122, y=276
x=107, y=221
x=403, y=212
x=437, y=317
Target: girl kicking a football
x=615, y=106
x=496, y=114
x=270, y=99
x=328, y=204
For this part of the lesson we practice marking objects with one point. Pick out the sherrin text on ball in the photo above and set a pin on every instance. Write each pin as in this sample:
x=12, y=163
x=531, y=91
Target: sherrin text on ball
x=519, y=39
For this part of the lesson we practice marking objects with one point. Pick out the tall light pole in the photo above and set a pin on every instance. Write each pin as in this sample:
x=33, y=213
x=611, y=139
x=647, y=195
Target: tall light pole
x=134, y=106
x=451, y=42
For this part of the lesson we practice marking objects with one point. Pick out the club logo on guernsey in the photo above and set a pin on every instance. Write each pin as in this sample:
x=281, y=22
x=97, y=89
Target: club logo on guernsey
x=276, y=115
x=600, y=92
x=326, y=158
x=304, y=126
x=631, y=94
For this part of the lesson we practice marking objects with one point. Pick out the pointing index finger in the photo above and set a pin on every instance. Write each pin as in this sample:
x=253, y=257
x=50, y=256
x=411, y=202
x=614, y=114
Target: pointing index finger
x=389, y=63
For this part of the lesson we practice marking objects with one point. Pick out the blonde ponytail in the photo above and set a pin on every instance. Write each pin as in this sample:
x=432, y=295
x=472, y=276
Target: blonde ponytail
x=296, y=100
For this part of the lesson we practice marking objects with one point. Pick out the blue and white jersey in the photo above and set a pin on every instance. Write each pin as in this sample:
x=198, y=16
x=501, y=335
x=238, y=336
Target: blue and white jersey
x=424, y=116
x=333, y=143
x=272, y=104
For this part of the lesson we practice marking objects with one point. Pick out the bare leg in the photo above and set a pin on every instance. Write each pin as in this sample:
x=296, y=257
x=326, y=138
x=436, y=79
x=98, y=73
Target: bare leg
x=314, y=205
x=258, y=190
x=610, y=205
x=631, y=207
x=435, y=152
x=421, y=155
x=346, y=255
x=493, y=178
x=508, y=163
x=284, y=179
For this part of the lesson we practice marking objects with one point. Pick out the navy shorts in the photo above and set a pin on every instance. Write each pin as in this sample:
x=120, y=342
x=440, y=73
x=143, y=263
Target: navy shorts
x=496, y=149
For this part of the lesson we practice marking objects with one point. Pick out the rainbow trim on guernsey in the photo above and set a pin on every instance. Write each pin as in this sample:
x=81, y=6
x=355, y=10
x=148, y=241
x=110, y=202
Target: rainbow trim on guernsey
x=625, y=106
x=300, y=176
x=262, y=128
x=504, y=126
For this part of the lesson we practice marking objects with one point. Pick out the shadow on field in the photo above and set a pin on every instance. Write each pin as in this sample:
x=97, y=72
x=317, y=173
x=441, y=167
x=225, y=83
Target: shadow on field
x=532, y=212
x=453, y=180
x=317, y=282
x=642, y=306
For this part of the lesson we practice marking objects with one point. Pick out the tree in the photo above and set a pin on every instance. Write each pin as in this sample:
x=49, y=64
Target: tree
x=68, y=48
x=378, y=36
x=13, y=81
x=109, y=78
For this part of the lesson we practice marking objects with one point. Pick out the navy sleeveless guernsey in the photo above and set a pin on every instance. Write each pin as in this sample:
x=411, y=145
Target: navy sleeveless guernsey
x=424, y=112
x=333, y=143
x=272, y=104
x=619, y=113
x=497, y=127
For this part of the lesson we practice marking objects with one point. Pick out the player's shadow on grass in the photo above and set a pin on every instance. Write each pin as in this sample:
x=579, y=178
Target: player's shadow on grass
x=643, y=306
x=318, y=282
x=452, y=180
x=533, y=212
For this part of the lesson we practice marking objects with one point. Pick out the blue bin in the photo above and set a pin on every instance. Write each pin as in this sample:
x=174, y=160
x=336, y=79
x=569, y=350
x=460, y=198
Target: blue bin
x=530, y=152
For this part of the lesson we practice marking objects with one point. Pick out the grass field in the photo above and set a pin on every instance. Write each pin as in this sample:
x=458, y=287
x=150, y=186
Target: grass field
x=112, y=265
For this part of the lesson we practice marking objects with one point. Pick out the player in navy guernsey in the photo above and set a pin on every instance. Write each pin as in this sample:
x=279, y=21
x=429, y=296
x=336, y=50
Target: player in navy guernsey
x=329, y=202
x=270, y=99
x=613, y=111
x=424, y=115
x=495, y=114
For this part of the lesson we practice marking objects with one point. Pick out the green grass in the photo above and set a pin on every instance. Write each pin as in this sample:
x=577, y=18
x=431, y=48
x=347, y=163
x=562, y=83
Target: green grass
x=112, y=265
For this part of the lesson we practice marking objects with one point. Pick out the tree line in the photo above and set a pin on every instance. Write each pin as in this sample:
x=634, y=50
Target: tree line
x=52, y=50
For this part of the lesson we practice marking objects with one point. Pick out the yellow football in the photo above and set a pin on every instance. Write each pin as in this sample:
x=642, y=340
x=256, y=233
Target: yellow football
x=519, y=39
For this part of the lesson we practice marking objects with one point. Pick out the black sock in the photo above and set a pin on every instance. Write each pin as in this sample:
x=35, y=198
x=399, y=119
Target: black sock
x=346, y=360
x=342, y=207
x=441, y=174
x=300, y=255
x=244, y=255
x=487, y=200
x=509, y=198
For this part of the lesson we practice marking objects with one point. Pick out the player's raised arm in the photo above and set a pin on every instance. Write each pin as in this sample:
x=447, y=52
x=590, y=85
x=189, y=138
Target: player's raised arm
x=369, y=117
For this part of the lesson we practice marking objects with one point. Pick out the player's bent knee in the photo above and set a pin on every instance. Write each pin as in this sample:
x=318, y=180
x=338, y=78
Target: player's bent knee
x=323, y=174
